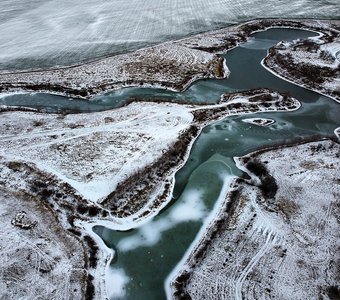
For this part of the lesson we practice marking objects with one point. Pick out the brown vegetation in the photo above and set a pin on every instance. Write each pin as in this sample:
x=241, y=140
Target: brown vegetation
x=133, y=193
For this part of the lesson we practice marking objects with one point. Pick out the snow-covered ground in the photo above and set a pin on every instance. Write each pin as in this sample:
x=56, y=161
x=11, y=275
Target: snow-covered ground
x=282, y=246
x=168, y=65
x=93, y=152
x=312, y=63
x=38, y=259
x=48, y=33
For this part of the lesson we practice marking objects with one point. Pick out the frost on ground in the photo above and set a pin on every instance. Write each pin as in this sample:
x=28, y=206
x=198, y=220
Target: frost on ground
x=69, y=172
x=93, y=152
x=313, y=63
x=277, y=234
x=104, y=155
x=38, y=259
x=54, y=258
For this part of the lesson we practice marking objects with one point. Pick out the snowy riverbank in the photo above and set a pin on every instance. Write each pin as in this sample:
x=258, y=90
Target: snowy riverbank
x=276, y=232
x=171, y=65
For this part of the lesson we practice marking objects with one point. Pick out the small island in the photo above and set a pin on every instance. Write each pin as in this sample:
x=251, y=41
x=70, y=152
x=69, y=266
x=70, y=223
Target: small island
x=259, y=121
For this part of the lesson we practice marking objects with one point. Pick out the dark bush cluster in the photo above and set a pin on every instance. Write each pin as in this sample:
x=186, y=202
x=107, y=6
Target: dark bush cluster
x=74, y=231
x=179, y=285
x=333, y=292
x=314, y=73
x=268, y=184
x=261, y=98
x=132, y=194
x=256, y=167
x=93, y=251
x=82, y=208
x=70, y=219
x=94, y=210
x=90, y=290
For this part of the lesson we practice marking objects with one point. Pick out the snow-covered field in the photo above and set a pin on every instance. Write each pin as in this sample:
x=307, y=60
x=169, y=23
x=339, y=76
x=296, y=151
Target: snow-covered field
x=48, y=33
x=278, y=246
x=38, y=259
x=93, y=152
x=168, y=65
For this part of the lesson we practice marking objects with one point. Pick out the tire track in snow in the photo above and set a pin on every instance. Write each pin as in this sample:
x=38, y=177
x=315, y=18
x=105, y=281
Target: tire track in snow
x=270, y=241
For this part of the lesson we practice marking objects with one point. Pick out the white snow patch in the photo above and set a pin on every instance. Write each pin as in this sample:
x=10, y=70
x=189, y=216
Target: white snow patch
x=116, y=280
x=226, y=71
x=190, y=209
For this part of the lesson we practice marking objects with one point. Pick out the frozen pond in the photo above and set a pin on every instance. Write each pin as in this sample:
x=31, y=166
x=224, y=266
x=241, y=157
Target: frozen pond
x=48, y=33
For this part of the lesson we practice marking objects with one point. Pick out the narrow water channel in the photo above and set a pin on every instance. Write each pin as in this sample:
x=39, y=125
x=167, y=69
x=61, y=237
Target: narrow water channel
x=145, y=256
x=243, y=62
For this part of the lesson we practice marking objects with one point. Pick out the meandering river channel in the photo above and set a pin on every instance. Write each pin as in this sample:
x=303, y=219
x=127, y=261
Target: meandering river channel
x=145, y=256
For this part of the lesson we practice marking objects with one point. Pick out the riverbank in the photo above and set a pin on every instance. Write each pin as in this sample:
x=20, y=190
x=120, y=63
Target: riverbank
x=275, y=233
x=171, y=65
x=99, y=181
x=103, y=170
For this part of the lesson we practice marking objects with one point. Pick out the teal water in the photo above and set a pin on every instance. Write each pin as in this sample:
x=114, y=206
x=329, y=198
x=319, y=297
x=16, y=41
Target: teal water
x=145, y=256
